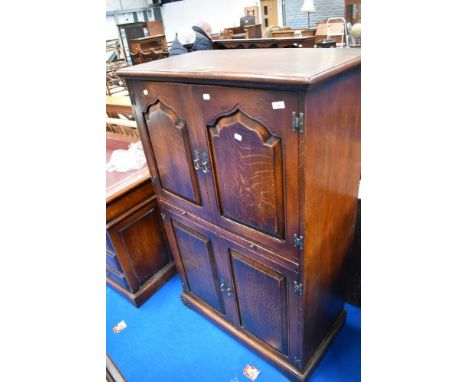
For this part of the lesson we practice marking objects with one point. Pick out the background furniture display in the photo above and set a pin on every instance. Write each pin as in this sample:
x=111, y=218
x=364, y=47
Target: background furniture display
x=138, y=261
x=155, y=27
x=253, y=31
x=147, y=56
x=293, y=33
x=255, y=43
x=146, y=49
x=120, y=117
x=130, y=32
x=332, y=29
x=257, y=180
x=114, y=84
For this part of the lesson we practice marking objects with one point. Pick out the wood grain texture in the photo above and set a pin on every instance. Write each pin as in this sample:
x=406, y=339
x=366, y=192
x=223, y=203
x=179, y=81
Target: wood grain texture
x=261, y=184
x=249, y=173
x=139, y=243
x=332, y=173
x=146, y=249
x=262, y=306
x=305, y=66
x=172, y=151
x=268, y=170
x=174, y=97
x=199, y=264
x=138, y=260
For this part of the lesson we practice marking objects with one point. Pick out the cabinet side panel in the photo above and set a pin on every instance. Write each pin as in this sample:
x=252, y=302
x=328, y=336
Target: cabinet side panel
x=331, y=162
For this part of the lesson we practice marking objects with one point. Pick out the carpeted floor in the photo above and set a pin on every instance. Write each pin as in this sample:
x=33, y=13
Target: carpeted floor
x=166, y=342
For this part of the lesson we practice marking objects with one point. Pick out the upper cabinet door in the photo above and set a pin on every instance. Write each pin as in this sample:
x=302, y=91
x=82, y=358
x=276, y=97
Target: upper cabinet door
x=171, y=144
x=252, y=157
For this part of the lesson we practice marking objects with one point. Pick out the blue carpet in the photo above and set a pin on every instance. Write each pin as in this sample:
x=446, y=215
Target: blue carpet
x=167, y=342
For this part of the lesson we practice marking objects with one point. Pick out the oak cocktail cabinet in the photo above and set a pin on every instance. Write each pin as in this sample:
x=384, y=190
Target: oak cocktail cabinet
x=255, y=160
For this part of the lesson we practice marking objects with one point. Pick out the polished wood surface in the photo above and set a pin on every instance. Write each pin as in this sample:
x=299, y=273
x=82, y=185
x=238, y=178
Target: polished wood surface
x=331, y=158
x=138, y=260
x=270, y=66
x=118, y=183
x=253, y=181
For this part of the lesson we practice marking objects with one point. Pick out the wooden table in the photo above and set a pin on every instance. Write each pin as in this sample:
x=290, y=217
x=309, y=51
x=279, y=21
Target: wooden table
x=255, y=43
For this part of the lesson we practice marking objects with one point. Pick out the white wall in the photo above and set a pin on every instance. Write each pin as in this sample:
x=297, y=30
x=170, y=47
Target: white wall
x=219, y=14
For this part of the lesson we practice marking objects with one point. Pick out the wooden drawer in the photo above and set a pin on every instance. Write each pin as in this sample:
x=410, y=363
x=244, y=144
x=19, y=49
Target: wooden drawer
x=112, y=261
x=117, y=277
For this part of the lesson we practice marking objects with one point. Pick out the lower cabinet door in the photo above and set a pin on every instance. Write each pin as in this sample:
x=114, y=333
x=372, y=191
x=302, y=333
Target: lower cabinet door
x=267, y=304
x=194, y=250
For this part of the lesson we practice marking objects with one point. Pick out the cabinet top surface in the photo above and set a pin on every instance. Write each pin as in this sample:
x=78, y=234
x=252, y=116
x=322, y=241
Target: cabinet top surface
x=277, y=65
x=118, y=183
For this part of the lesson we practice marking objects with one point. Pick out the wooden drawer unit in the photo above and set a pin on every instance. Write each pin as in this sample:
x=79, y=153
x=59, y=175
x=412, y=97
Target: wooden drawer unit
x=116, y=277
x=138, y=260
x=256, y=165
x=112, y=261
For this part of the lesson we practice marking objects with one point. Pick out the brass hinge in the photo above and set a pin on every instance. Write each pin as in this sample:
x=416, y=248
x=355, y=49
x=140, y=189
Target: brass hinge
x=297, y=288
x=298, y=241
x=298, y=122
x=163, y=216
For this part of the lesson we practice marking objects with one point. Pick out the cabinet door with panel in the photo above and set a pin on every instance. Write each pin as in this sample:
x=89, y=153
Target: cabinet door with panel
x=137, y=245
x=197, y=260
x=265, y=298
x=171, y=144
x=251, y=155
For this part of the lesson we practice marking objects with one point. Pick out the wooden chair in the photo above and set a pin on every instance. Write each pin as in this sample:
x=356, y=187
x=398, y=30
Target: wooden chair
x=334, y=28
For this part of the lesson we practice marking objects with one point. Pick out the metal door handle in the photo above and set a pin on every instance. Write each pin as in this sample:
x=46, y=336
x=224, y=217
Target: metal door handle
x=196, y=160
x=204, y=163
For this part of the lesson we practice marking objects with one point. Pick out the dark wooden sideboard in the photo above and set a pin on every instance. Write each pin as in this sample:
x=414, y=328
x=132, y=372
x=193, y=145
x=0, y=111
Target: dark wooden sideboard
x=138, y=260
x=256, y=166
x=256, y=43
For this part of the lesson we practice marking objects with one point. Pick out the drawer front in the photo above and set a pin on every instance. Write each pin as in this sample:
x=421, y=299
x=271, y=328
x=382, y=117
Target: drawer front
x=117, y=277
x=112, y=261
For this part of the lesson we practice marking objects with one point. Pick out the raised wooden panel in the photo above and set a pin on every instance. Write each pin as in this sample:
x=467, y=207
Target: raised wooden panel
x=172, y=151
x=248, y=169
x=143, y=244
x=261, y=295
x=197, y=256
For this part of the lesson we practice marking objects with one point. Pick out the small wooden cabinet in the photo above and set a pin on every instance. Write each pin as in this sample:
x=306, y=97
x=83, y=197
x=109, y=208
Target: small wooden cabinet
x=138, y=261
x=256, y=166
